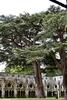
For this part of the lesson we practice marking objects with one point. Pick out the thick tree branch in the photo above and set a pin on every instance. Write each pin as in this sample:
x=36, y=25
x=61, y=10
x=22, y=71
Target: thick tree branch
x=59, y=3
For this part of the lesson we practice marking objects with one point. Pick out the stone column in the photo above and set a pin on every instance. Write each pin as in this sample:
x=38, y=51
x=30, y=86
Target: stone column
x=3, y=88
x=46, y=93
x=45, y=88
x=58, y=91
x=27, y=91
x=15, y=89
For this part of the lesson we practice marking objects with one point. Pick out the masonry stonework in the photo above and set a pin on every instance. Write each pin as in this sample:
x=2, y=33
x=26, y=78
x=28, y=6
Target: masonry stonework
x=14, y=85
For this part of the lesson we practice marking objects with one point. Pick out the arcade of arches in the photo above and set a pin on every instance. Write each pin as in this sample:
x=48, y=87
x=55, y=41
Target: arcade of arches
x=14, y=85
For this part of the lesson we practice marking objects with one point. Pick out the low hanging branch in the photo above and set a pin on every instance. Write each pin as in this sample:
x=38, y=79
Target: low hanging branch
x=59, y=3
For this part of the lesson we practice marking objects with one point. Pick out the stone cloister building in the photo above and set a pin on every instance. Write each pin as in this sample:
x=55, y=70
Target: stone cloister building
x=53, y=86
x=14, y=85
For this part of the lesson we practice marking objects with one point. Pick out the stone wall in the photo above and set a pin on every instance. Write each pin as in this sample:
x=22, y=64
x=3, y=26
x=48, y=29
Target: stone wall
x=14, y=85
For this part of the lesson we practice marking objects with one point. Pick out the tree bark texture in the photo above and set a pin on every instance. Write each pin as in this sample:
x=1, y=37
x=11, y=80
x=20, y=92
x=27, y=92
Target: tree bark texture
x=63, y=66
x=38, y=79
x=65, y=77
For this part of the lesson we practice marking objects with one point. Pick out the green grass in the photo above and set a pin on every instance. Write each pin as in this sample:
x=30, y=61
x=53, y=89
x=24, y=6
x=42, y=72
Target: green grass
x=31, y=99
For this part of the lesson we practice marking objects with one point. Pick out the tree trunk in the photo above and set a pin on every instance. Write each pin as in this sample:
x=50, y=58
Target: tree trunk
x=65, y=77
x=38, y=79
x=63, y=59
x=65, y=85
x=65, y=92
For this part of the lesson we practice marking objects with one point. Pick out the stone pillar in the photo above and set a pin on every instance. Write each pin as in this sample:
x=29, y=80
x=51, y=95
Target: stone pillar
x=27, y=91
x=15, y=89
x=58, y=94
x=46, y=93
x=3, y=88
x=45, y=88
x=58, y=91
x=59, y=85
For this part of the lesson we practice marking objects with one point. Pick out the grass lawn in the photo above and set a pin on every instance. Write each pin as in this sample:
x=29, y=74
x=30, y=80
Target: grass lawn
x=31, y=99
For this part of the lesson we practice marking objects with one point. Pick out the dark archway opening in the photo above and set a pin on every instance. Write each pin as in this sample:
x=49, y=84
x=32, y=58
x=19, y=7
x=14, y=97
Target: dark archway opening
x=21, y=94
x=0, y=93
x=50, y=94
x=9, y=94
x=32, y=94
x=6, y=94
x=62, y=93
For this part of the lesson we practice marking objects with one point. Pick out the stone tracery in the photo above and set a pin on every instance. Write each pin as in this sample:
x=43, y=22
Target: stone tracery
x=24, y=86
